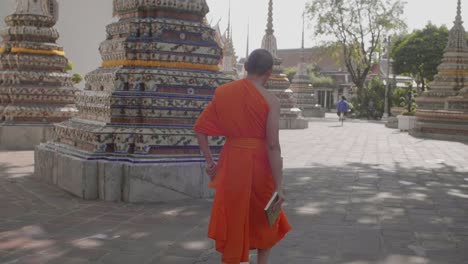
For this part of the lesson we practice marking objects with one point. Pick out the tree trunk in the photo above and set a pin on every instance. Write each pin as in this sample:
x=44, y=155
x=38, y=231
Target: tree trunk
x=360, y=88
x=423, y=84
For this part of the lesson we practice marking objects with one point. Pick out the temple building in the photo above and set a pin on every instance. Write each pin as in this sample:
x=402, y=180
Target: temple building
x=304, y=92
x=132, y=140
x=228, y=62
x=442, y=111
x=278, y=84
x=35, y=90
x=326, y=95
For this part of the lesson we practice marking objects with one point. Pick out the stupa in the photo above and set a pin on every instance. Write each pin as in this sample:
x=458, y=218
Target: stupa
x=132, y=140
x=304, y=92
x=278, y=84
x=35, y=90
x=442, y=111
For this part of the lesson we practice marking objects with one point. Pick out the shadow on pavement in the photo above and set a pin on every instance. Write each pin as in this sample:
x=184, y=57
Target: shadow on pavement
x=352, y=214
x=365, y=214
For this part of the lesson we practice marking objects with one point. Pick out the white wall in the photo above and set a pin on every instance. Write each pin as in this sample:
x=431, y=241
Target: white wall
x=82, y=28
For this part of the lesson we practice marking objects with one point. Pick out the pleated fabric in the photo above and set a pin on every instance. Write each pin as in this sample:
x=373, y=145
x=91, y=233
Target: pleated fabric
x=244, y=182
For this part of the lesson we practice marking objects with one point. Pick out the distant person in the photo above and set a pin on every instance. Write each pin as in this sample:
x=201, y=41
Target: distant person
x=342, y=108
x=250, y=165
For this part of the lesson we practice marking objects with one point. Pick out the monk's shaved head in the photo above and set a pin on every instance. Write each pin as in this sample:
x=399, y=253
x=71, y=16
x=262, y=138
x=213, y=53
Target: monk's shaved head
x=259, y=62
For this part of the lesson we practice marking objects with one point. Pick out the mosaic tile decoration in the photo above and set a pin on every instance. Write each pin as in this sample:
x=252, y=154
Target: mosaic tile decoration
x=159, y=72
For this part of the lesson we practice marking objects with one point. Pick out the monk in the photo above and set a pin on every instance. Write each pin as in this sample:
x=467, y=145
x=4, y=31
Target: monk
x=249, y=169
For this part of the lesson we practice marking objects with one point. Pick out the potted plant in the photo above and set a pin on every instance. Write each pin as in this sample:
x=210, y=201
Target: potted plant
x=407, y=119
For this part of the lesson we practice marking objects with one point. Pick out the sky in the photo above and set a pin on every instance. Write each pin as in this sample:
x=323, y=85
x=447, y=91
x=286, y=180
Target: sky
x=287, y=19
x=82, y=23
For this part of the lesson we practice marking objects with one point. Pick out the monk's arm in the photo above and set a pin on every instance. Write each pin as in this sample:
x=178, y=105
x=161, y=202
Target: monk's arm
x=204, y=146
x=273, y=145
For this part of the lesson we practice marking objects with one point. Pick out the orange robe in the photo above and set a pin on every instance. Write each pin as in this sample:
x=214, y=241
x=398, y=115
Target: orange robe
x=244, y=182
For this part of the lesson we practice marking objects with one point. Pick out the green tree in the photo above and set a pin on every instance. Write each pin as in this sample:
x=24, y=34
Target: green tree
x=69, y=67
x=76, y=77
x=397, y=95
x=290, y=72
x=358, y=26
x=408, y=100
x=373, y=100
x=313, y=71
x=420, y=53
x=318, y=79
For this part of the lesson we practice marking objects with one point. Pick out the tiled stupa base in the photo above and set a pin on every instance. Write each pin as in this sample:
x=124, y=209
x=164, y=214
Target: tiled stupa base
x=293, y=123
x=313, y=112
x=441, y=130
x=23, y=136
x=133, y=180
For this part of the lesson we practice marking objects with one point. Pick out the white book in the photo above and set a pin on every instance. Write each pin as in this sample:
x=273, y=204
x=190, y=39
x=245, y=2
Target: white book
x=272, y=214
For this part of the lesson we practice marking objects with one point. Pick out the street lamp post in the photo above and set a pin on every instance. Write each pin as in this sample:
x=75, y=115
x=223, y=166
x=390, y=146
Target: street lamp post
x=388, y=41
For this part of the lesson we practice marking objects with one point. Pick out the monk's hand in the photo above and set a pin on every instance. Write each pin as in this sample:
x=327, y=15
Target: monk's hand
x=281, y=198
x=211, y=169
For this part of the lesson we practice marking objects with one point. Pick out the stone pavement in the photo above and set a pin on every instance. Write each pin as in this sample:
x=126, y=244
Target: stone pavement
x=358, y=194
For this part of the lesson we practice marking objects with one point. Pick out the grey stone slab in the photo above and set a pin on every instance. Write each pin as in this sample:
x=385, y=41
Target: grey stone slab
x=404, y=259
x=30, y=259
x=146, y=184
x=110, y=181
x=89, y=254
x=293, y=124
x=455, y=256
x=45, y=169
x=118, y=181
x=24, y=137
x=174, y=260
x=62, y=260
x=73, y=175
x=119, y=257
x=186, y=178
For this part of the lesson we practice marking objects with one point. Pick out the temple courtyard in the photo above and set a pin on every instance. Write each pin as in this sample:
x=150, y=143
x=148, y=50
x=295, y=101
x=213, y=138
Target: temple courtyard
x=358, y=194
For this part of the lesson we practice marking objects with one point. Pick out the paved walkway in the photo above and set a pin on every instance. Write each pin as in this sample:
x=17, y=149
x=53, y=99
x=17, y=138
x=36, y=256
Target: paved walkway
x=358, y=194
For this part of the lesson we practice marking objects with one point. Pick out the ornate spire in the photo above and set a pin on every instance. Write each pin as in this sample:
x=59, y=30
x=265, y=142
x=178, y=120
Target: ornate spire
x=301, y=75
x=228, y=43
x=269, y=40
x=229, y=54
x=269, y=29
x=303, y=33
x=41, y=8
x=248, y=38
x=457, y=33
x=229, y=23
x=458, y=19
x=231, y=35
